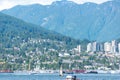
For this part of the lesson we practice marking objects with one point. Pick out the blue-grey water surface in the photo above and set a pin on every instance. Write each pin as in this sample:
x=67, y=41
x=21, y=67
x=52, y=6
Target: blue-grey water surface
x=57, y=77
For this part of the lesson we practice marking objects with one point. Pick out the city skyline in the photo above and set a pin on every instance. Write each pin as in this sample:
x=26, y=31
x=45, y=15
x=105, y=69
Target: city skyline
x=106, y=47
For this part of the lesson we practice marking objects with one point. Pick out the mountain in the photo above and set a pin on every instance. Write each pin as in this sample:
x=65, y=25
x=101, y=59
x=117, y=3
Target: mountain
x=90, y=21
x=17, y=36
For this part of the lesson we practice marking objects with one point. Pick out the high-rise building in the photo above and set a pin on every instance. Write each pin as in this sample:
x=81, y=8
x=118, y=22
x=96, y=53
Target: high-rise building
x=89, y=47
x=113, y=46
x=107, y=47
x=99, y=47
x=94, y=46
x=119, y=48
x=79, y=48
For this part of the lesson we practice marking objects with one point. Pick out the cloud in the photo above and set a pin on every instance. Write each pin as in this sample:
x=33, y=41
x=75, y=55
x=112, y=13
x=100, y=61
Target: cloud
x=5, y=4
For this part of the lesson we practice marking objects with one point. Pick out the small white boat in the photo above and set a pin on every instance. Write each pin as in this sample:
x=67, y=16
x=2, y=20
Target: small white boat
x=69, y=77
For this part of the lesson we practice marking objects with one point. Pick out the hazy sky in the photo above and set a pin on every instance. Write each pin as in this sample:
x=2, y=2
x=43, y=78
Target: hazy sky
x=5, y=4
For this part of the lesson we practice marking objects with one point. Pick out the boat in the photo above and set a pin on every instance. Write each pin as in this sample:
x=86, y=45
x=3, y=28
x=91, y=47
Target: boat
x=68, y=72
x=79, y=71
x=92, y=72
x=69, y=77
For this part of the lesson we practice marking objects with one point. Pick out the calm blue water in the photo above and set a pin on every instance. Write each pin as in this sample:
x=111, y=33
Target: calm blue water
x=56, y=77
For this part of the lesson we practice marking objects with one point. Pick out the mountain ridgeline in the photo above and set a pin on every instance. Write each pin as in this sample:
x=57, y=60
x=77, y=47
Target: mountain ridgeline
x=100, y=22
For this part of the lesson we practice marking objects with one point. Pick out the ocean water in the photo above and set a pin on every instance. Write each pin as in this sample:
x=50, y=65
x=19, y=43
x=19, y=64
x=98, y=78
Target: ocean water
x=57, y=77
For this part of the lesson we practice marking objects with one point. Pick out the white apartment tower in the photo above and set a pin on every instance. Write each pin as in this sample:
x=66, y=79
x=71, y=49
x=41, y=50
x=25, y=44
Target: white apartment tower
x=113, y=46
x=89, y=47
x=94, y=46
x=79, y=48
x=107, y=47
x=119, y=48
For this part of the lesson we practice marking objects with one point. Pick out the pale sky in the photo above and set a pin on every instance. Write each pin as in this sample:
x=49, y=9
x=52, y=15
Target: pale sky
x=6, y=4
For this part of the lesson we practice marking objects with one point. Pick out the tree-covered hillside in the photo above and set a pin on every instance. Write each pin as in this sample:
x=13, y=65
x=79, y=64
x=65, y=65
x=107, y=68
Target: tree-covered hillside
x=13, y=29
